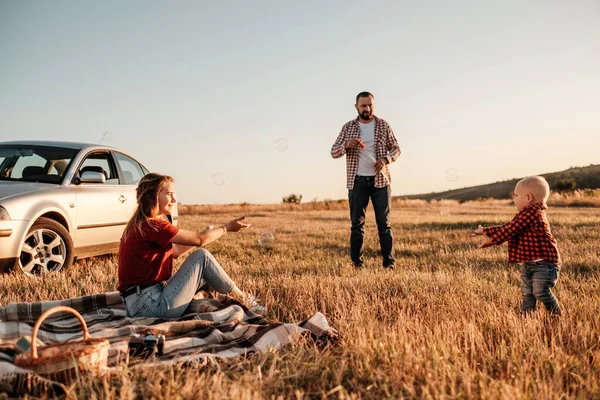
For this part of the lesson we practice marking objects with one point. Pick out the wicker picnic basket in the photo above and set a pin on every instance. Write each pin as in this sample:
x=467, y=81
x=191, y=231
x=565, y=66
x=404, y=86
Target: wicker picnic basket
x=65, y=362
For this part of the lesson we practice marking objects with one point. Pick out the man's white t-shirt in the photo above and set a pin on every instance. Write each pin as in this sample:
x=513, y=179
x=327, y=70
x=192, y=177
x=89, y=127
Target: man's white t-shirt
x=366, y=167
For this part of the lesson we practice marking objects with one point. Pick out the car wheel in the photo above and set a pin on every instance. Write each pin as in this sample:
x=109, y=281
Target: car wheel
x=47, y=247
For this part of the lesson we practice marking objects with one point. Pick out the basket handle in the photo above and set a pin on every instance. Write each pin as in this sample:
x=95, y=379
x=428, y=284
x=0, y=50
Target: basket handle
x=46, y=314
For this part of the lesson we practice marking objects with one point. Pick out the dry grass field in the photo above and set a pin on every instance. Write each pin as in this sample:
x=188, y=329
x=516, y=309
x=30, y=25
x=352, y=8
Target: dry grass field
x=444, y=324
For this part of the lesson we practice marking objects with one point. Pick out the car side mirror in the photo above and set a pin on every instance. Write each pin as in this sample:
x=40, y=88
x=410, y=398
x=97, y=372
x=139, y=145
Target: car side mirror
x=92, y=177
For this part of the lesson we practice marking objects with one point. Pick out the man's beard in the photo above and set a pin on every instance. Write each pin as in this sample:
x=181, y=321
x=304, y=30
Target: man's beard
x=366, y=115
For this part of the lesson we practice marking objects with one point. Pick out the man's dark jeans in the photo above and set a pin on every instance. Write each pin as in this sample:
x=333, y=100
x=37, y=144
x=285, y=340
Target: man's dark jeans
x=381, y=198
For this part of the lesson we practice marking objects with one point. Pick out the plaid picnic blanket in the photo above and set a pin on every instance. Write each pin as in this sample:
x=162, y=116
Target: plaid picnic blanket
x=210, y=330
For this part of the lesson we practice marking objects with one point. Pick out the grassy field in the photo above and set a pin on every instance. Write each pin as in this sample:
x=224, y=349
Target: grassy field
x=444, y=324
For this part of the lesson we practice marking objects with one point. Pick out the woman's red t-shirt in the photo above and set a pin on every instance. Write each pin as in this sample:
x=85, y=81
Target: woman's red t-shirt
x=146, y=259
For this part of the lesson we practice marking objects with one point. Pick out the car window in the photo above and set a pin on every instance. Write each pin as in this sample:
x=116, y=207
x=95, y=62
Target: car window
x=132, y=171
x=24, y=162
x=48, y=166
x=34, y=163
x=100, y=162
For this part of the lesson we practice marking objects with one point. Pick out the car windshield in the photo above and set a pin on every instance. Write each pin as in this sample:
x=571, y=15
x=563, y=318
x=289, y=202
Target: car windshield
x=32, y=163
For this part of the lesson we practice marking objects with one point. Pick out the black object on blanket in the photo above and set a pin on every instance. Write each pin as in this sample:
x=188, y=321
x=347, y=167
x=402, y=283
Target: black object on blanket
x=23, y=344
x=146, y=346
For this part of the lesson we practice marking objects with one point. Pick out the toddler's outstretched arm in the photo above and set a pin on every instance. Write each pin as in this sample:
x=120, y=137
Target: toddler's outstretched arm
x=479, y=231
x=476, y=232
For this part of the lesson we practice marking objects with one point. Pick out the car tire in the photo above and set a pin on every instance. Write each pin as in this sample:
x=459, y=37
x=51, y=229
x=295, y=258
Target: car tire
x=47, y=248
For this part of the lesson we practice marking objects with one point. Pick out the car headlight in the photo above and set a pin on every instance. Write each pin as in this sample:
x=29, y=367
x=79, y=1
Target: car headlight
x=4, y=215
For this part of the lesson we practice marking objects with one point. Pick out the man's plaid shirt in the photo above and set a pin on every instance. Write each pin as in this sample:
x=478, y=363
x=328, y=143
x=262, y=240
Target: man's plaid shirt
x=386, y=146
x=528, y=235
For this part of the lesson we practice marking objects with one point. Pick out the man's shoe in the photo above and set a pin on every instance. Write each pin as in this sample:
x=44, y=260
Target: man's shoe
x=389, y=266
x=359, y=265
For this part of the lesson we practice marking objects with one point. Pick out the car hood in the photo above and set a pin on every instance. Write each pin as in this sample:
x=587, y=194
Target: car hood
x=10, y=189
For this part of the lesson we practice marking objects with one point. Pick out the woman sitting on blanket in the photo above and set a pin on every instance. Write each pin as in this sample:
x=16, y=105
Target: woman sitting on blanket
x=148, y=246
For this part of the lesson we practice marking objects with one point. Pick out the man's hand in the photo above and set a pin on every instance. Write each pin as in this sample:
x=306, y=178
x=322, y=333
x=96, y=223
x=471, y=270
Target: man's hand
x=236, y=225
x=380, y=163
x=352, y=143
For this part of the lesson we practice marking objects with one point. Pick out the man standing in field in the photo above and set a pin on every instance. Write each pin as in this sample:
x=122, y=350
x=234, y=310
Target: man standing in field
x=369, y=145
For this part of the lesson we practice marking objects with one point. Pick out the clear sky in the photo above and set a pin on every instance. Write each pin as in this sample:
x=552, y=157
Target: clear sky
x=495, y=90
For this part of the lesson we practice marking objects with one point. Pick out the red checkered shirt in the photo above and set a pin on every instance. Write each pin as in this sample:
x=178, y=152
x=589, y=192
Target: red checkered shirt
x=386, y=146
x=528, y=235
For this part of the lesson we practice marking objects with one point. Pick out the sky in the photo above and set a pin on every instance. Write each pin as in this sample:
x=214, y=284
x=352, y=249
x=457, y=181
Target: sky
x=256, y=91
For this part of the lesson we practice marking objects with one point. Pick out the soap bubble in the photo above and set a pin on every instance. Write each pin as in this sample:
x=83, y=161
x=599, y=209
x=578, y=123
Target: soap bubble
x=266, y=240
x=452, y=174
x=444, y=211
x=282, y=144
x=218, y=179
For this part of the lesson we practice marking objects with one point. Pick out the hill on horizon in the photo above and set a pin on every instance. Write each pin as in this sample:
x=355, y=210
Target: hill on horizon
x=569, y=179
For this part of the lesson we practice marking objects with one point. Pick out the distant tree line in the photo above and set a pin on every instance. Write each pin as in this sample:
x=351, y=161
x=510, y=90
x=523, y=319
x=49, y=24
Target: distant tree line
x=292, y=198
x=575, y=178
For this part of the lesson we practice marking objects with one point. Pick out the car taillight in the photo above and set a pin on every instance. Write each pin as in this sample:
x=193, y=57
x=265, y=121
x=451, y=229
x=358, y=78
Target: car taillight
x=4, y=215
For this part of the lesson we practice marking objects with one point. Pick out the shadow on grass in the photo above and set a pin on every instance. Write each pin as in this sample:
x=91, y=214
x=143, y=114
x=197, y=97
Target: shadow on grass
x=339, y=250
x=579, y=225
x=577, y=270
x=100, y=258
x=333, y=248
x=444, y=226
x=336, y=219
x=258, y=215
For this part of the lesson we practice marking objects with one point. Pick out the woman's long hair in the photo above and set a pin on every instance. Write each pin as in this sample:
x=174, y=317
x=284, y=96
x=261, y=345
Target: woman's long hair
x=147, y=200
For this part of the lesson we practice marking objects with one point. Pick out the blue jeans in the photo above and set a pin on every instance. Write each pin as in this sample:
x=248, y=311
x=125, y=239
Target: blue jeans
x=170, y=299
x=358, y=197
x=537, y=280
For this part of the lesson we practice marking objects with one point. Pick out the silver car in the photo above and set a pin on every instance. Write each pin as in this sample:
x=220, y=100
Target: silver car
x=60, y=201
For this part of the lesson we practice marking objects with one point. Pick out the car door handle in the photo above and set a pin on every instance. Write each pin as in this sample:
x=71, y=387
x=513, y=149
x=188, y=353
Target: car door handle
x=122, y=199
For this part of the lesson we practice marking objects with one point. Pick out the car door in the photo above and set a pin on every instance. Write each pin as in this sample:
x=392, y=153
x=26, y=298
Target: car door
x=103, y=209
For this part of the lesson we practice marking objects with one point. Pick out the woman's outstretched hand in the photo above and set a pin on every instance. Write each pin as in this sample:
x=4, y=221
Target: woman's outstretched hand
x=236, y=225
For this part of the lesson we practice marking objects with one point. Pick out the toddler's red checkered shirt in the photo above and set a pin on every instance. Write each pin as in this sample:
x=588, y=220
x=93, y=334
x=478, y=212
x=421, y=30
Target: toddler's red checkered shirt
x=528, y=235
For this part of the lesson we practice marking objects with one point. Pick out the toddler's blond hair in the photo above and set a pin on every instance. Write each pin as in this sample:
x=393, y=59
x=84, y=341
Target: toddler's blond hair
x=537, y=186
